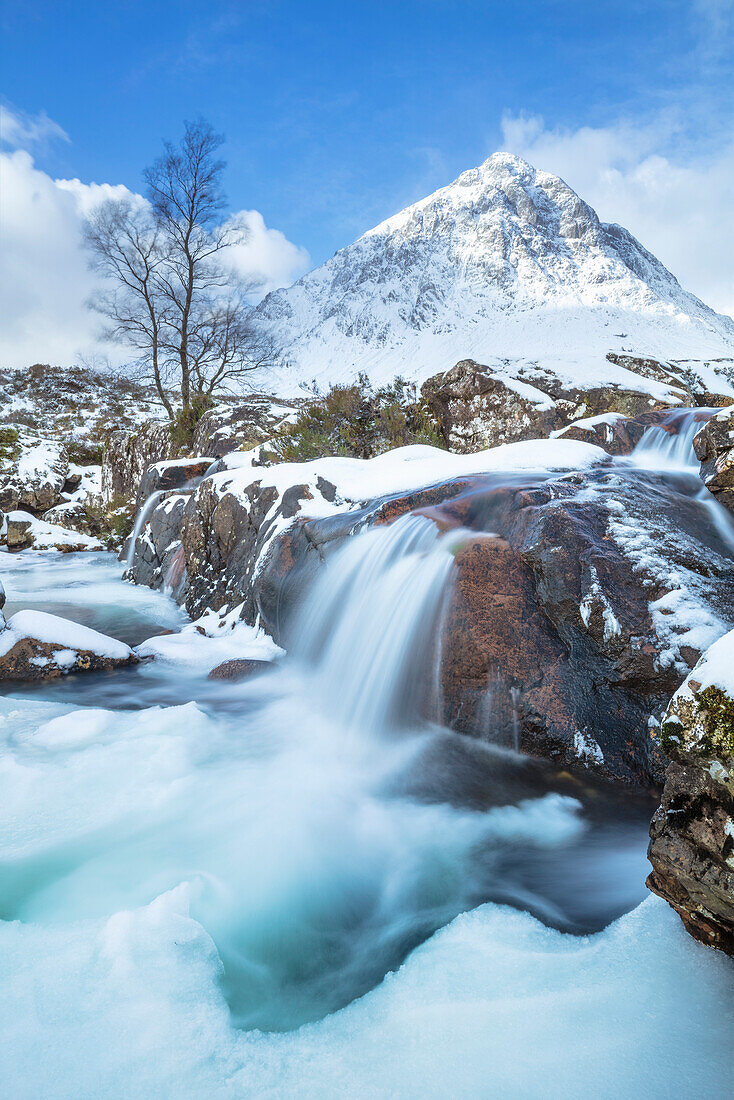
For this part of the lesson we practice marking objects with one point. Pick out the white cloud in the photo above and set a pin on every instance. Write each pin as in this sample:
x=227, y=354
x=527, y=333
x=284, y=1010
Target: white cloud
x=20, y=130
x=44, y=277
x=681, y=210
x=267, y=257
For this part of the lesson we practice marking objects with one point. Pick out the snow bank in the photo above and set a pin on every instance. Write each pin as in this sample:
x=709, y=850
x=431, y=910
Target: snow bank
x=54, y=630
x=493, y=1005
x=49, y=536
x=210, y=640
x=715, y=669
x=406, y=468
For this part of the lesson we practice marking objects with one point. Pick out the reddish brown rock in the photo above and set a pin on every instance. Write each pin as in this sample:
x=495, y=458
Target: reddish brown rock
x=60, y=651
x=240, y=668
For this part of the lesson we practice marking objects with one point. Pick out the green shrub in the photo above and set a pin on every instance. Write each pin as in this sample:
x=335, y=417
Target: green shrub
x=357, y=421
x=9, y=447
x=184, y=426
x=84, y=454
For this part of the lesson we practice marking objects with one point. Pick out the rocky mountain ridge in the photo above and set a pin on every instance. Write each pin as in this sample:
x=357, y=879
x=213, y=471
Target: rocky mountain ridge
x=506, y=265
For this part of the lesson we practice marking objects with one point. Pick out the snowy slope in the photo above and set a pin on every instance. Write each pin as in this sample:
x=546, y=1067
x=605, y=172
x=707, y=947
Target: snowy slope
x=505, y=264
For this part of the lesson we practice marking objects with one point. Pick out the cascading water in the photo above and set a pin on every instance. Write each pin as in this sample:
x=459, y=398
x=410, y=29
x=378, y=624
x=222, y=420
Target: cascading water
x=669, y=446
x=141, y=519
x=369, y=626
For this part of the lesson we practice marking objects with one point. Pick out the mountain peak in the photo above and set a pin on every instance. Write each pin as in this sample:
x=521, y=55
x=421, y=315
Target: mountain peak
x=505, y=263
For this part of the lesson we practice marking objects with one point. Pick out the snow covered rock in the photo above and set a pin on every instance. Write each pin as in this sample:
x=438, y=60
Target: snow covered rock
x=508, y=266
x=24, y=531
x=480, y=406
x=38, y=646
x=241, y=425
x=170, y=474
x=33, y=475
x=714, y=447
x=692, y=832
x=18, y=533
x=72, y=516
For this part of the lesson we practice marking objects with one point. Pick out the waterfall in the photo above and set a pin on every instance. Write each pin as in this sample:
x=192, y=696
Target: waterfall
x=669, y=446
x=369, y=626
x=140, y=521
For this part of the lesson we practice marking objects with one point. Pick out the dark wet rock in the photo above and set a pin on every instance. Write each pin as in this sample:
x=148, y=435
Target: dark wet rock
x=72, y=483
x=692, y=833
x=714, y=447
x=240, y=668
x=158, y=561
x=63, y=647
x=478, y=406
x=173, y=474
x=128, y=454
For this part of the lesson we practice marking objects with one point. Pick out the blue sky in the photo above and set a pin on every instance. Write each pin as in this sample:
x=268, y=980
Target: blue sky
x=338, y=114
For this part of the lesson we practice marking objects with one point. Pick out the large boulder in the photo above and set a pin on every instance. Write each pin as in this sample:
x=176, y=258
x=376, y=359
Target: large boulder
x=692, y=833
x=478, y=406
x=38, y=646
x=568, y=627
x=128, y=454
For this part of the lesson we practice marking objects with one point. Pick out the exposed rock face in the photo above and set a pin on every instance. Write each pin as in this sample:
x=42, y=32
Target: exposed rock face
x=714, y=447
x=129, y=454
x=692, y=833
x=479, y=407
x=19, y=534
x=174, y=474
x=34, y=475
x=158, y=559
x=223, y=536
x=568, y=628
x=37, y=646
x=242, y=425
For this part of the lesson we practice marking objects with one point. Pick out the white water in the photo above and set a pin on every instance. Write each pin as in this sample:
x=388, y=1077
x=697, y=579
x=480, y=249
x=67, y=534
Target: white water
x=172, y=876
x=141, y=519
x=663, y=449
x=369, y=626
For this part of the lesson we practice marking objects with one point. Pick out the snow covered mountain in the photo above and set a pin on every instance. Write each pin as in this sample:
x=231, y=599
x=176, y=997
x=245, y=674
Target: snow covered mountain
x=506, y=265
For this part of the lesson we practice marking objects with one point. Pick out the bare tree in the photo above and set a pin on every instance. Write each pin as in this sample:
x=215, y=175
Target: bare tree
x=170, y=292
x=125, y=246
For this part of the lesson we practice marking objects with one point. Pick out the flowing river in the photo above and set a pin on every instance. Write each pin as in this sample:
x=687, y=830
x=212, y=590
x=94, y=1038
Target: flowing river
x=294, y=887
